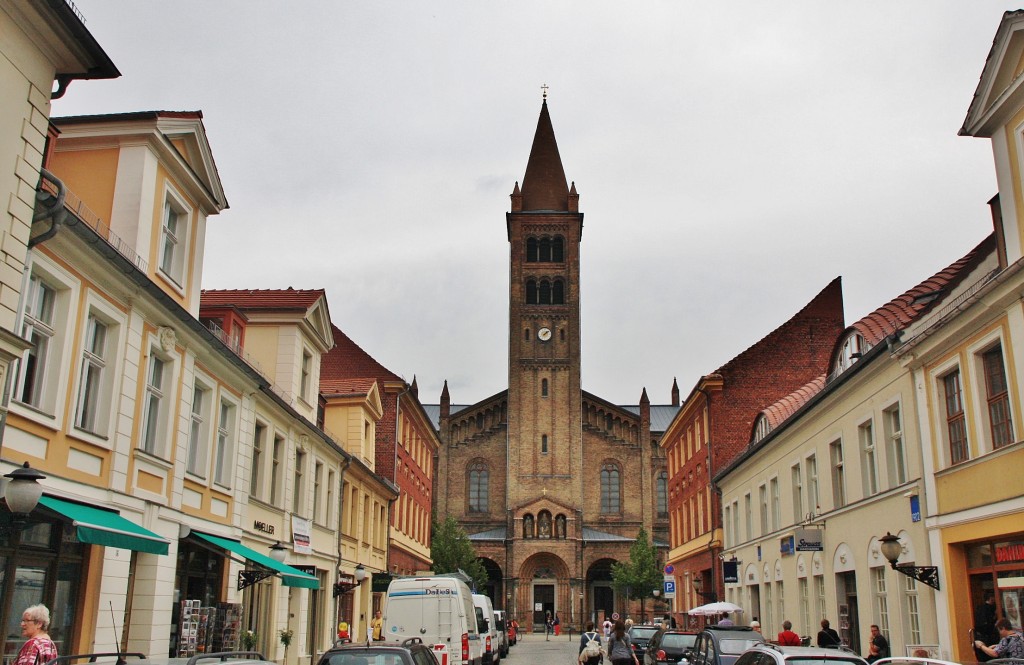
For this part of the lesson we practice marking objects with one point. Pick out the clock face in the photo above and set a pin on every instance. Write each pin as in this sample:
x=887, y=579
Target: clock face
x=544, y=334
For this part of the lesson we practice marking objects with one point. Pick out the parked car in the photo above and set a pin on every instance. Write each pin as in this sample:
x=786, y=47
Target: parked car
x=437, y=609
x=773, y=654
x=722, y=645
x=639, y=636
x=670, y=647
x=499, y=625
x=410, y=652
x=488, y=632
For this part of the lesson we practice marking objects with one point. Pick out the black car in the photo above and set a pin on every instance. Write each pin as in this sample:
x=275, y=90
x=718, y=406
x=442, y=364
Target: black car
x=410, y=652
x=669, y=647
x=639, y=636
x=722, y=645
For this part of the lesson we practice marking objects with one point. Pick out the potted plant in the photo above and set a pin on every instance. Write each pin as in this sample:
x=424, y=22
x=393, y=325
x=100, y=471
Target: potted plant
x=286, y=640
x=248, y=639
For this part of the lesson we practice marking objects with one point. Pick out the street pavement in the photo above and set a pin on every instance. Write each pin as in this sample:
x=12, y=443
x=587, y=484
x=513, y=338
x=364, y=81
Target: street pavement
x=533, y=649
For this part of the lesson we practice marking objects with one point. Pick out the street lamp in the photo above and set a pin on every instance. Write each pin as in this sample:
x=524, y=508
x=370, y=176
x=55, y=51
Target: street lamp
x=278, y=552
x=583, y=619
x=892, y=549
x=23, y=490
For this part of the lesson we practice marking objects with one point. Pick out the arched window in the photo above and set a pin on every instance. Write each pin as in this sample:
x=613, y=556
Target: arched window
x=545, y=292
x=543, y=387
x=558, y=249
x=761, y=428
x=662, y=493
x=544, y=443
x=531, y=292
x=561, y=334
x=558, y=293
x=608, y=421
x=544, y=524
x=850, y=351
x=545, y=249
x=560, y=526
x=531, y=250
x=526, y=335
x=610, y=494
x=479, y=487
x=528, y=526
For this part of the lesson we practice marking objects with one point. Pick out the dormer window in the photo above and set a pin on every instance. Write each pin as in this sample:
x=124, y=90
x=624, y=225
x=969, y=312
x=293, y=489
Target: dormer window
x=761, y=428
x=173, y=237
x=853, y=347
x=304, y=379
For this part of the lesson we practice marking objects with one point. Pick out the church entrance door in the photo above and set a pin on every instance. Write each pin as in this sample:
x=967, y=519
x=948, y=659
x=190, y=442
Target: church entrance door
x=604, y=603
x=543, y=605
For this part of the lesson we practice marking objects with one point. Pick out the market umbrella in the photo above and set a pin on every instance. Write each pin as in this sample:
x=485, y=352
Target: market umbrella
x=712, y=609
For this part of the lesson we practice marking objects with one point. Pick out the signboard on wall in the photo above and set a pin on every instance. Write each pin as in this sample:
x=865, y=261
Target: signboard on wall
x=809, y=540
x=730, y=572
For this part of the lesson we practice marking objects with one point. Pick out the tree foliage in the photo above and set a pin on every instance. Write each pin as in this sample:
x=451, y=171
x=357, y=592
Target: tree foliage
x=641, y=575
x=451, y=550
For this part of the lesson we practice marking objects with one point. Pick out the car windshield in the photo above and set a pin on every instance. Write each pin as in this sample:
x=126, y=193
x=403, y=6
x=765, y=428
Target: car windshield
x=364, y=658
x=676, y=641
x=642, y=633
x=736, y=645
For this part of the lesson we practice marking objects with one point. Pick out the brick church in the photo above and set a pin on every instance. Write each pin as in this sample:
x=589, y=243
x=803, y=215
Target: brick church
x=551, y=483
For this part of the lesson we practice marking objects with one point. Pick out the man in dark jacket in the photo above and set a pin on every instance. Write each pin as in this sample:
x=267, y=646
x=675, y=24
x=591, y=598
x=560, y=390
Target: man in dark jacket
x=828, y=637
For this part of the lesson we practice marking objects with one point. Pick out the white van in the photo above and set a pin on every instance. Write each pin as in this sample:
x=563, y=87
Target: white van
x=439, y=610
x=492, y=645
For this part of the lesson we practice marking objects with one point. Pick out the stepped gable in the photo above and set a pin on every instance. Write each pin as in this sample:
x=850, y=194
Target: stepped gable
x=279, y=300
x=781, y=410
x=347, y=362
x=901, y=311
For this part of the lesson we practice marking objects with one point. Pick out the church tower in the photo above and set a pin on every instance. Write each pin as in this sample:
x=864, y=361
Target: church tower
x=544, y=409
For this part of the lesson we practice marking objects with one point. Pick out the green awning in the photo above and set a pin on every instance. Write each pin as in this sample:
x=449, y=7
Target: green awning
x=289, y=576
x=98, y=526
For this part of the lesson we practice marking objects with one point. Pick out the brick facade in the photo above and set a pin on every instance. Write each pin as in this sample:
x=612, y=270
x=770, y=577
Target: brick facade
x=542, y=444
x=715, y=425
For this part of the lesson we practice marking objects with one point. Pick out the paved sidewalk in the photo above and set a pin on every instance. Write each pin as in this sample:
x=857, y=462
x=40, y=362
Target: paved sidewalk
x=533, y=649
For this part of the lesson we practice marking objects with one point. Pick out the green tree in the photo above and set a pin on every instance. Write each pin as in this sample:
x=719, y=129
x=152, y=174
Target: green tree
x=451, y=550
x=641, y=575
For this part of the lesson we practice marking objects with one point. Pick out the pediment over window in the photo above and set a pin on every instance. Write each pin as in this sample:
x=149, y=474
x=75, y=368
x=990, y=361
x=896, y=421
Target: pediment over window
x=1000, y=91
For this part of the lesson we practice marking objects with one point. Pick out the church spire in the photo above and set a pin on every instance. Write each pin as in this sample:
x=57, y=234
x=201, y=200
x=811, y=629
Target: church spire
x=544, y=185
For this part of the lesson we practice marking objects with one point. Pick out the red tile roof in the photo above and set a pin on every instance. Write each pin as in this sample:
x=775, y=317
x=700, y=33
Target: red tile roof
x=359, y=386
x=901, y=311
x=788, y=405
x=348, y=362
x=891, y=317
x=263, y=299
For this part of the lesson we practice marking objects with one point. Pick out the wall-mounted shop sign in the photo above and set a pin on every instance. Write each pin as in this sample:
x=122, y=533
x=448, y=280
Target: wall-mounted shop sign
x=809, y=540
x=1009, y=552
x=263, y=527
x=786, y=546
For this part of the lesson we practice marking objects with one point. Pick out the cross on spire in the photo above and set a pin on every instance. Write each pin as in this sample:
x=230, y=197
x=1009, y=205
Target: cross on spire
x=544, y=90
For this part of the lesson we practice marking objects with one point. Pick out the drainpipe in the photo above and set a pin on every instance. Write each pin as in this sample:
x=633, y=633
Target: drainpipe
x=51, y=207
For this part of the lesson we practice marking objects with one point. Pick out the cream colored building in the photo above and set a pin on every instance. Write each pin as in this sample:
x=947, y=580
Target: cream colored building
x=40, y=43
x=967, y=366
x=839, y=462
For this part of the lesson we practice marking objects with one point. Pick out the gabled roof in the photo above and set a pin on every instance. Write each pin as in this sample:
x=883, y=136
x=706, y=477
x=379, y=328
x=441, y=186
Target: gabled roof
x=276, y=300
x=347, y=361
x=177, y=137
x=909, y=306
x=544, y=185
x=778, y=412
x=1000, y=91
x=888, y=319
x=345, y=387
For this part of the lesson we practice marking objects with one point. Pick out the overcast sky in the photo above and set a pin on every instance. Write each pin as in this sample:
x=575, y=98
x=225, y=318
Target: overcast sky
x=731, y=160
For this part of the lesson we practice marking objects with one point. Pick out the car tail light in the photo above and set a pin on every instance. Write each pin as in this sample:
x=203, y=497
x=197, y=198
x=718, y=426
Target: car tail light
x=488, y=643
x=661, y=655
x=465, y=647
